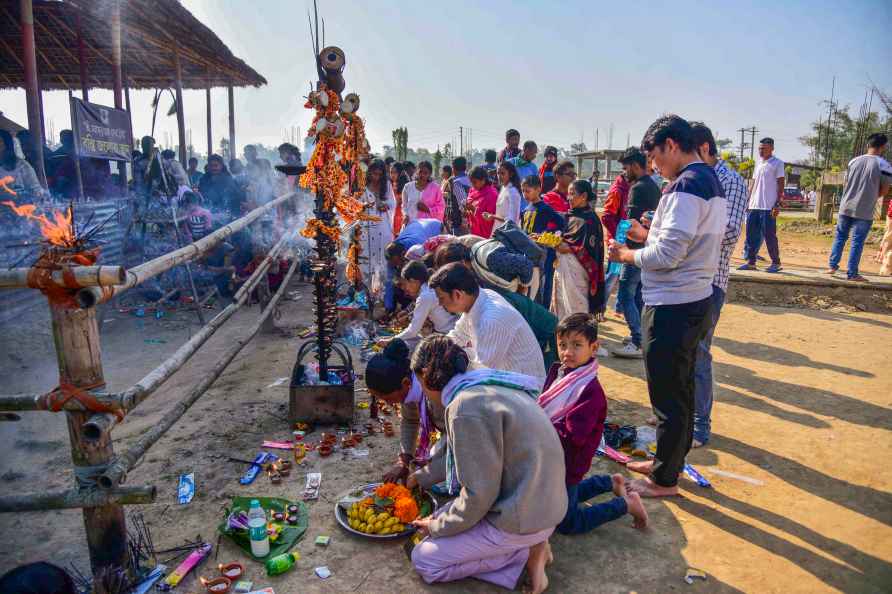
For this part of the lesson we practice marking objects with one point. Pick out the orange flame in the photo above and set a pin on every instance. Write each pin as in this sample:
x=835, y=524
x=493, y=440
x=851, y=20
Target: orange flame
x=58, y=232
x=4, y=184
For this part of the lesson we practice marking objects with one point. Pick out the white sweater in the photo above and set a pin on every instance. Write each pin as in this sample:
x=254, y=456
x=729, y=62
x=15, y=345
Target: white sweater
x=428, y=306
x=681, y=255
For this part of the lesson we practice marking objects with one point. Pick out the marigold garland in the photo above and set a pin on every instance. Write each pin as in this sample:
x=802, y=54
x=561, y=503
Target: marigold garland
x=405, y=508
x=327, y=170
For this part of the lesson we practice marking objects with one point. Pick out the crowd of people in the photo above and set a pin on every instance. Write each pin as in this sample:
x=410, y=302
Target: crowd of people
x=512, y=294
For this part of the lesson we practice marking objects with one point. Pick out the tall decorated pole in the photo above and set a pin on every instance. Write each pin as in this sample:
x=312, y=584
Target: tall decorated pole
x=335, y=176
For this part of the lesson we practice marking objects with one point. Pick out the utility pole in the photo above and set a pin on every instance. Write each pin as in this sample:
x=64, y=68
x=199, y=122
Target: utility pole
x=829, y=150
x=461, y=134
x=742, y=143
x=753, y=143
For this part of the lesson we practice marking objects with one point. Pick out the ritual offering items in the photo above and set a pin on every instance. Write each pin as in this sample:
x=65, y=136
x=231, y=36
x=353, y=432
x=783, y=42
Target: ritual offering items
x=259, y=461
x=300, y=452
x=322, y=390
x=281, y=534
x=218, y=585
x=382, y=510
x=314, y=480
x=549, y=239
x=233, y=571
x=186, y=489
x=177, y=575
x=281, y=563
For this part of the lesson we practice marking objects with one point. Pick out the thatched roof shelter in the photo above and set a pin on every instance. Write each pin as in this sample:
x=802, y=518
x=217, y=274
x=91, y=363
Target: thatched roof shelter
x=150, y=31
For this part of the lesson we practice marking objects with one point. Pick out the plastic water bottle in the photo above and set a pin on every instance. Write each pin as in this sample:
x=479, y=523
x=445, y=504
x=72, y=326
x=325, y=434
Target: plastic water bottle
x=257, y=530
x=621, y=229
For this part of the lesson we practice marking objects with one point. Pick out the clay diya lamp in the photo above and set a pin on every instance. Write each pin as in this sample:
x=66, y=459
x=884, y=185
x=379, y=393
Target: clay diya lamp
x=324, y=450
x=284, y=467
x=329, y=439
x=357, y=437
x=292, y=510
x=348, y=442
x=370, y=428
x=278, y=517
x=232, y=572
x=275, y=478
x=218, y=585
x=292, y=519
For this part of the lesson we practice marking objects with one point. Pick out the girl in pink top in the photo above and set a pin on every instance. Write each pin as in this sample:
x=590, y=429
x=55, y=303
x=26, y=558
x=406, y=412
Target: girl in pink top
x=481, y=199
x=423, y=198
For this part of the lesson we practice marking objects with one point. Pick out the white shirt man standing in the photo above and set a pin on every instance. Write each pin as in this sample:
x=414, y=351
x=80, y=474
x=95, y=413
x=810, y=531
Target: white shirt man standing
x=761, y=223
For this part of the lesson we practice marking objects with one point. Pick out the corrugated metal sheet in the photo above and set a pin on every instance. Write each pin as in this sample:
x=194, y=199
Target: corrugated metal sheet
x=14, y=231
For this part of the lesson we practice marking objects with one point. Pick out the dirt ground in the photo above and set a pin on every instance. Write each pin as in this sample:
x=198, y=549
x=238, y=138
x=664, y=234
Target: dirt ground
x=801, y=501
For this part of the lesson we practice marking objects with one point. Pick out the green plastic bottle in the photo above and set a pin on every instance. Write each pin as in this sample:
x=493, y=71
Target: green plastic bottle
x=281, y=563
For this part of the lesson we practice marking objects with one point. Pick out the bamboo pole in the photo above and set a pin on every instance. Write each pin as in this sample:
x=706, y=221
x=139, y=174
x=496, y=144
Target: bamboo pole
x=231, y=96
x=207, y=96
x=73, y=277
x=141, y=390
x=74, y=498
x=31, y=87
x=117, y=471
x=20, y=402
x=181, y=119
x=152, y=268
x=76, y=336
x=102, y=423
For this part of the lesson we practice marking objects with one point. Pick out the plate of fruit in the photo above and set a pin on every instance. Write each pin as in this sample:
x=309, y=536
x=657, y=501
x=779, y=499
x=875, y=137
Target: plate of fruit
x=382, y=510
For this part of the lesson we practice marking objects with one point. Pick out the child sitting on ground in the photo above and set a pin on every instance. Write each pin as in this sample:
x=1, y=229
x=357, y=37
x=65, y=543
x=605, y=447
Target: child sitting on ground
x=575, y=402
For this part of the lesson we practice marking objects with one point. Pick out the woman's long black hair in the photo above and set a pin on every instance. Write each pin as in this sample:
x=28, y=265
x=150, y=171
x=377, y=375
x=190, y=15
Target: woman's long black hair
x=381, y=191
x=401, y=179
x=439, y=360
x=513, y=177
x=385, y=371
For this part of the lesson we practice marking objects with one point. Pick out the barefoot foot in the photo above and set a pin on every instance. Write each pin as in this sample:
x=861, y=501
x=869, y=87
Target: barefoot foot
x=619, y=485
x=647, y=488
x=636, y=510
x=643, y=467
x=536, y=568
x=550, y=556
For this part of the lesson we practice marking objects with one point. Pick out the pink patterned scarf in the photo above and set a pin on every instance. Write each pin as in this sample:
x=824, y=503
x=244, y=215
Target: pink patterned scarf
x=565, y=393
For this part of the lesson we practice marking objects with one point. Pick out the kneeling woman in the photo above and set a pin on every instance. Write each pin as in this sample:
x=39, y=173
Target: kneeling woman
x=503, y=451
x=389, y=378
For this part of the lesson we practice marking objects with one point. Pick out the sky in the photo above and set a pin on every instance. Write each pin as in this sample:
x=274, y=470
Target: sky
x=556, y=71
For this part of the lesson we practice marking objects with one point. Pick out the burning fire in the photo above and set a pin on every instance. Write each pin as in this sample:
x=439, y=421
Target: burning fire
x=58, y=232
